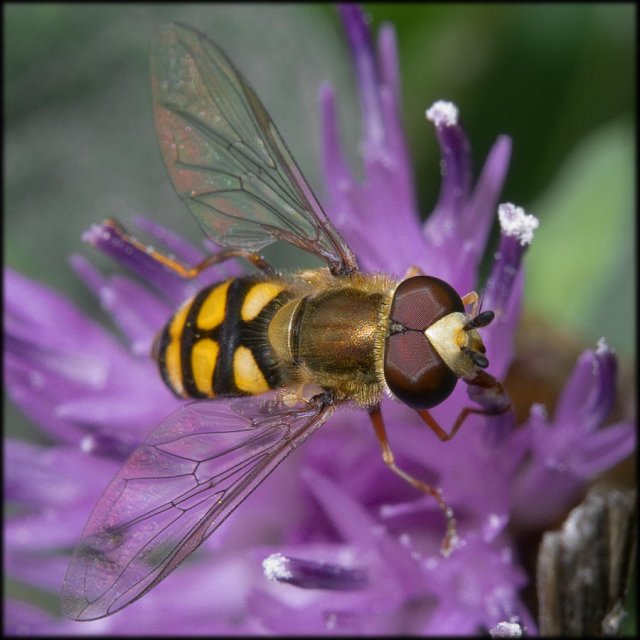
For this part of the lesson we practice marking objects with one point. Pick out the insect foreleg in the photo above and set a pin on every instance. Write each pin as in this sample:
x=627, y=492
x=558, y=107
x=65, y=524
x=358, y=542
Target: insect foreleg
x=472, y=299
x=389, y=459
x=413, y=271
x=483, y=389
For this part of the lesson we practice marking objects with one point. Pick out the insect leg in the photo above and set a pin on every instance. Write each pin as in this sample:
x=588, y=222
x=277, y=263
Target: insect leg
x=254, y=258
x=472, y=299
x=486, y=391
x=387, y=455
x=412, y=272
x=190, y=272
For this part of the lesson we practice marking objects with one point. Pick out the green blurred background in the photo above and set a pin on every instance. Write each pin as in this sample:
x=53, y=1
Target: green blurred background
x=558, y=78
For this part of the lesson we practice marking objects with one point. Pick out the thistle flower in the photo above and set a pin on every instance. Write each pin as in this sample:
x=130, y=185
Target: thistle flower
x=331, y=542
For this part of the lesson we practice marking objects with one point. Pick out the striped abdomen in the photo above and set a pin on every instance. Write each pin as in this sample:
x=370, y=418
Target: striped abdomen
x=216, y=344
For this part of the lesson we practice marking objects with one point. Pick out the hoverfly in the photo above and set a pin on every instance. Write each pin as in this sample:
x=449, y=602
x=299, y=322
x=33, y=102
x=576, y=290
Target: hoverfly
x=314, y=340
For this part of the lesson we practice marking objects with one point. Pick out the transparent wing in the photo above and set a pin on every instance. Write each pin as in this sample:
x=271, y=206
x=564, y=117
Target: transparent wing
x=173, y=492
x=225, y=156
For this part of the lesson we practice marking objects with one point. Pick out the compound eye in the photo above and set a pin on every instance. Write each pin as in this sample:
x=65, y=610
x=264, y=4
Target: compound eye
x=414, y=372
x=419, y=302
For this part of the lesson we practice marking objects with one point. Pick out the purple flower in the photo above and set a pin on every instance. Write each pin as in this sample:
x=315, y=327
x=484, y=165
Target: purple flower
x=332, y=542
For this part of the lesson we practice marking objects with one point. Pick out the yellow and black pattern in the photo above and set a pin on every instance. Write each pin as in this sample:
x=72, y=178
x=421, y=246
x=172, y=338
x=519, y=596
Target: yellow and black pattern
x=217, y=344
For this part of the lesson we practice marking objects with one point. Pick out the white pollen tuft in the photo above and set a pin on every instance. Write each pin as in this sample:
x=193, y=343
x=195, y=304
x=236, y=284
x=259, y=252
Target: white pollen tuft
x=507, y=630
x=275, y=567
x=603, y=347
x=443, y=114
x=517, y=223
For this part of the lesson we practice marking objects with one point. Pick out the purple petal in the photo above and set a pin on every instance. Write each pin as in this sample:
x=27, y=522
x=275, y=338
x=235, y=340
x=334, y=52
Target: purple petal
x=21, y=619
x=387, y=557
x=455, y=168
x=573, y=447
x=460, y=223
x=110, y=238
x=503, y=293
x=309, y=574
x=39, y=315
x=477, y=217
x=357, y=32
x=279, y=618
x=69, y=374
x=394, y=155
x=351, y=520
x=479, y=588
x=378, y=216
x=479, y=213
x=337, y=174
x=516, y=236
x=136, y=311
x=605, y=448
x=588, y=396
x=51, y=476
x=457, y=229
x=117, y=409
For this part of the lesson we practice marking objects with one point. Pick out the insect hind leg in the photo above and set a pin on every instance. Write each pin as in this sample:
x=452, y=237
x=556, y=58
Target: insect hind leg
x=387, y=455
x=186, y=272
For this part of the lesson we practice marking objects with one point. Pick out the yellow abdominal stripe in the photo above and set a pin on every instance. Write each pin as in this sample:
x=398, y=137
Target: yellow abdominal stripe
x=212, y=312
x=257, y=298
x=173, y=365
x=204, y=355
x=247, y=374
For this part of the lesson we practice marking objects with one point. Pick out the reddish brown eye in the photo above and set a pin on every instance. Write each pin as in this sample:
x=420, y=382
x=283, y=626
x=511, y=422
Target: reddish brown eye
x=419, y=302
x=413, y=370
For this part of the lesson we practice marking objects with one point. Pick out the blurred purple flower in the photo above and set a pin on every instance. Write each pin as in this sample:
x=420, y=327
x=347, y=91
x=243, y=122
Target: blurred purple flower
x=358, y=547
